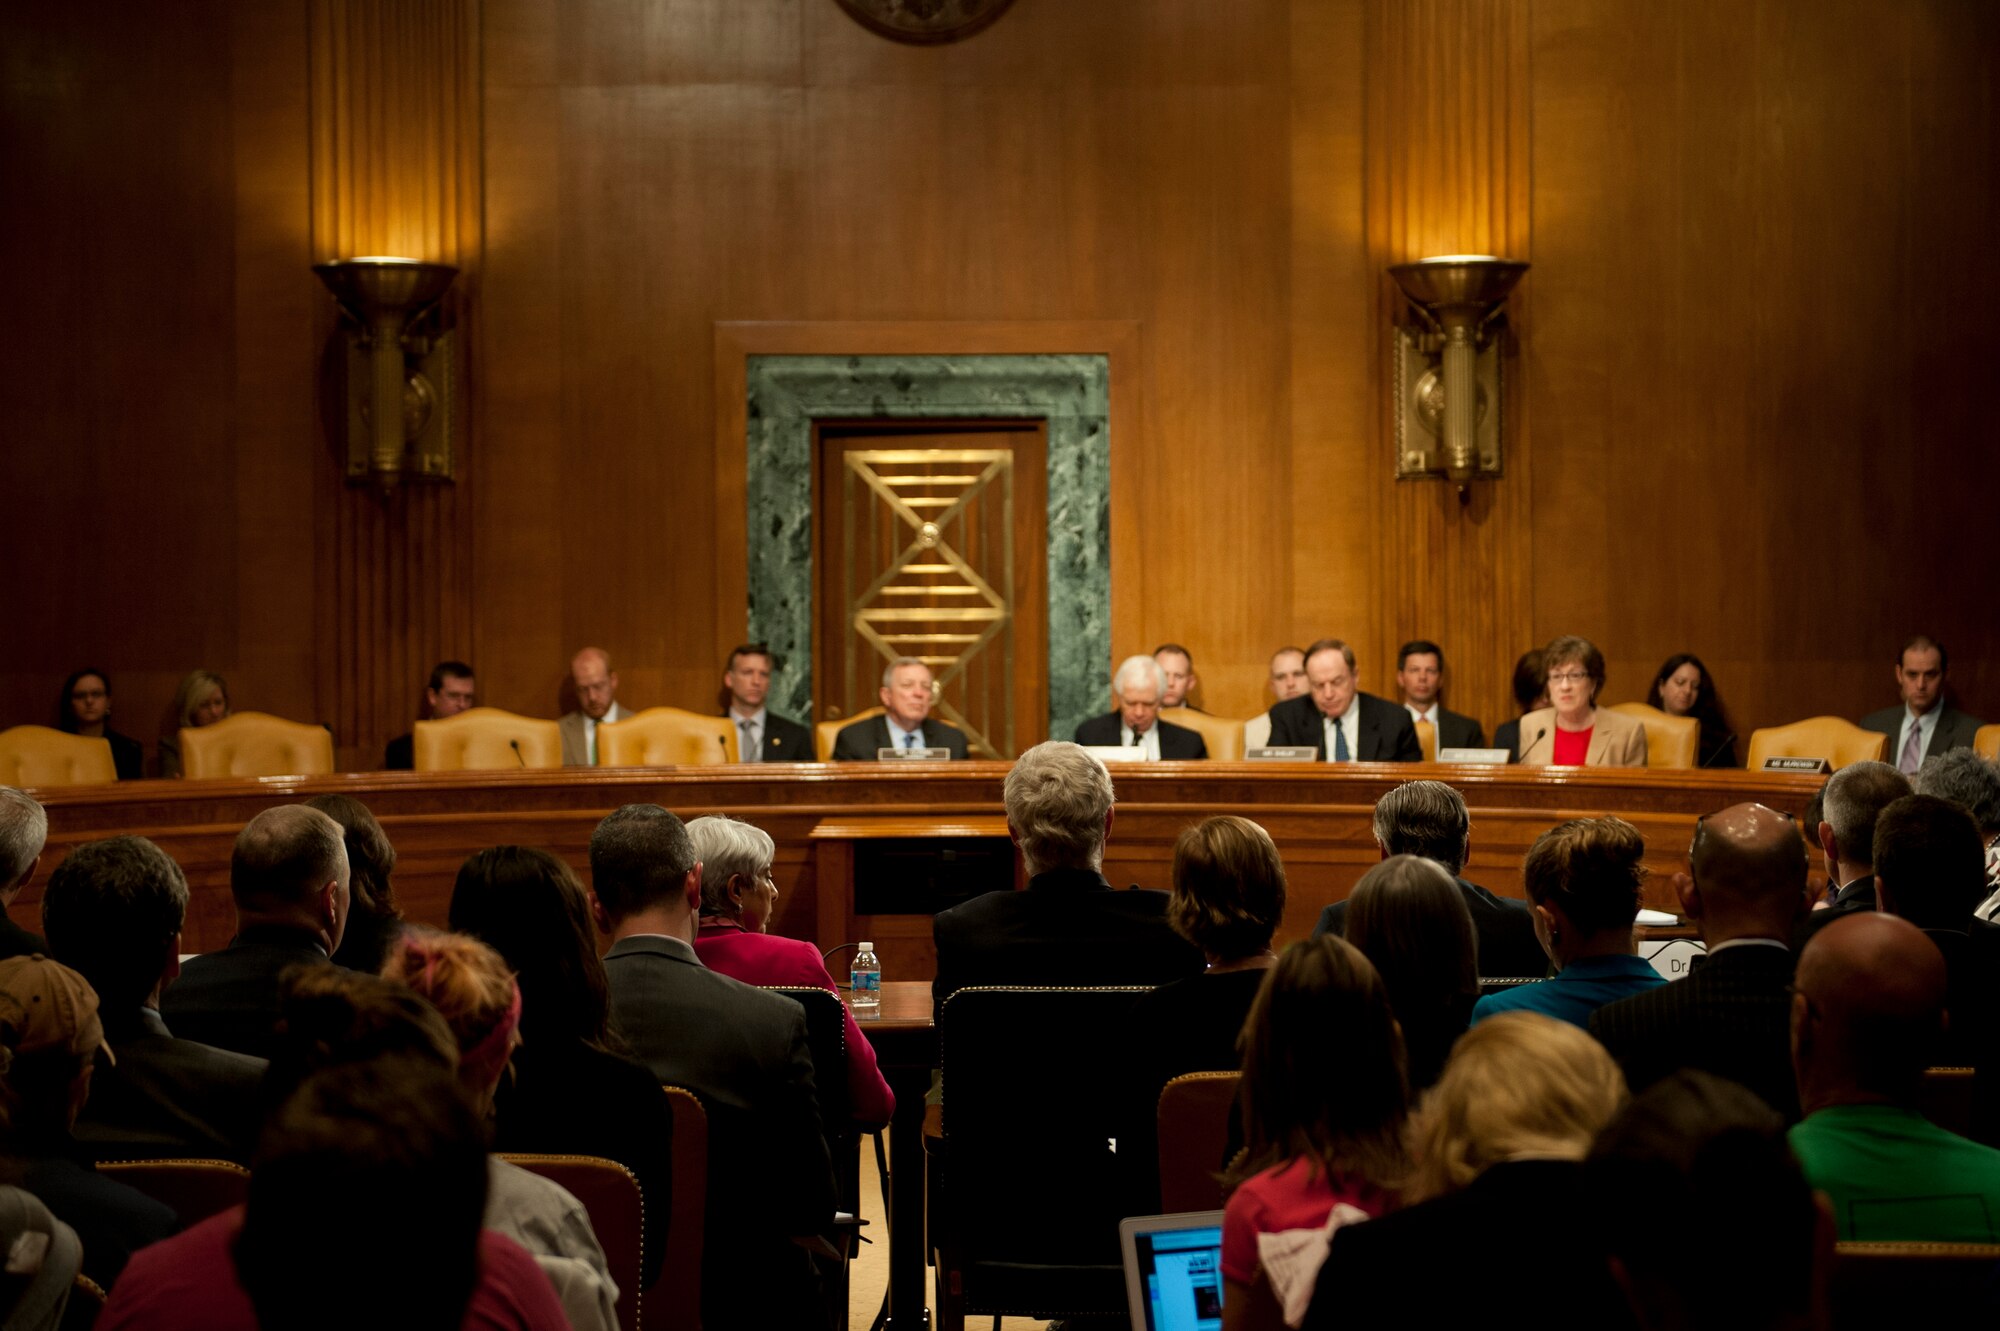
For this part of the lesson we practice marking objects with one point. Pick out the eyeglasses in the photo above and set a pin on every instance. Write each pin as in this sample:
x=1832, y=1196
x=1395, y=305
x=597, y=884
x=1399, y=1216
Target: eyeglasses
x=1569, y=677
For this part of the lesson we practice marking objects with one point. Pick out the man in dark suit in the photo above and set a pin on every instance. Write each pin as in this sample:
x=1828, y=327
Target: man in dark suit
x=113, y=911
x=1341, y=723
x=1420, y=679
x=1930, y=868
x=762, y=735
x=1068, y=927
x=1745, y=889
x=1429, y=818
x=24, y=830
x=741, y=1049
x=451, y=691
x=1137, y=724
x=288, y=875
x=1851, y=801
x=1925, y=723
x=908, y=693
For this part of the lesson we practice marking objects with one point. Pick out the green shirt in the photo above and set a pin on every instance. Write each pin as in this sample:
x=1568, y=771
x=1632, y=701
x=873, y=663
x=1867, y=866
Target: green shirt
x=1894, y=1175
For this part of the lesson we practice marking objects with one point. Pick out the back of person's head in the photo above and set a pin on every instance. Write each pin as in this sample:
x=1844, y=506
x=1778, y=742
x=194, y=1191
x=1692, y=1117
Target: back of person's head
x=370, y=857
x=469, y=983
x=113, y=912
x=1967, y=780
x=1323, y=1071
x=1058, y=797
x=1593, y=869
x=1931, y=861
x=1854, y=798
x=1725, y=1237
x=49, y=1036
x=1410, y=920
x=1426, y=818
x=24, y=830
x=389, y=1149
x=1748, y=862
x=1527, y=682
x=1228, y=887
x=1868, y=1010
x=640, y=857
x=529, y=906
x=284, y=857
x=1517, y=1085
x=329, y=1016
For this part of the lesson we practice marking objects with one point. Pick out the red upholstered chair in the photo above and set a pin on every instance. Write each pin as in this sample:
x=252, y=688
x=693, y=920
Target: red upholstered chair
x=674, y=1301
x=611, y=1197
x=195, y=1189
x=1194, y=1131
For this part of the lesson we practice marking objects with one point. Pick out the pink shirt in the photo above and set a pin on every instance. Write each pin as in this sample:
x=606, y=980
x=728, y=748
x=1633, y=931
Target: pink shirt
x=1294, y=1195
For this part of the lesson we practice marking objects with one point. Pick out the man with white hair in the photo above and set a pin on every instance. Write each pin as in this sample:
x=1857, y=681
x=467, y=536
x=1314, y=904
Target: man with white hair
x=1138, y=686
x=908, y=694
x=1069, y=926
x=24, y=830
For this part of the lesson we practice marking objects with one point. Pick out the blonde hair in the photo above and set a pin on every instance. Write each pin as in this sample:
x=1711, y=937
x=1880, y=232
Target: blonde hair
x=188, y=696
x=1519, y=1084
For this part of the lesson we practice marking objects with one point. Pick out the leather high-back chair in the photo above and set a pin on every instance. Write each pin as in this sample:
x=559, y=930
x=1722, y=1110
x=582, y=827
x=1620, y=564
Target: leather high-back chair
x=826, y=732
x=1223, y=736
x=1671, y=741
x=674, y=1301
x=194, y=1189
x=617, y=1210
x=667, y=737
x=255, y=744
x=486, y=739
x=1986, y=741
x=1838, y=741
x=45, y=756
x=1194, y=1132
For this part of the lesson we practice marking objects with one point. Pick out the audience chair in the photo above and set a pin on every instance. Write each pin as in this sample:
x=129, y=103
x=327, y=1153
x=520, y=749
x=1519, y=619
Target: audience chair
x=826, y=732
x=256, y=744
x=1194, y=1132
x=1223, y=737
x=45, y=756
x=1877, y=1285
x=487, y=739
x=1839, y=742
x=194, y=1189
x=1030, y=1195
x=1986, y=741
x=674, y=1301
x=1671, y=741
x=86, y=1302
x=617, y=1209
x=667, y=737
x=1946, y=1099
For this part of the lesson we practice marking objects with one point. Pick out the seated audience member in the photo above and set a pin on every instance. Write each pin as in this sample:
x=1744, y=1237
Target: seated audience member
x=373, y=921
x=1852, y=799
x=201, y=700
x=1573, y=731
x=742, y=1050
x=24, y=831
x=114, y=911
x=288, y=877
x=1868, y=1016
x=908, y=694
x=596, y=686
x=1420, y=681
x=50, y=1036
x=1337, y=720
x=527, y=905
x=1177, y=681
x=1324, y=1102
x=471, y=987
x=44, y=1258
x=1745, y=889
x=762, y=735
x=1925, y=723
x=1585, y=880
x=1068, y=927
x=84, y=708
x=1530, y=692
x=737, y=896
x=1228, y=899
x=1288, y=680
x=1682, y=686
x=451, y=690
x=1710, y=1161
x=1496, y=1227
x=1973, y=784
x=1409, y=919
x=1930, y=868
x=1137, y=724
x=1429, y=818
x=387, y=1149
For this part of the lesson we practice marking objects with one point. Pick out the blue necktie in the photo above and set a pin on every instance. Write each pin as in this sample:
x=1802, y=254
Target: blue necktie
x=909, y=741
x=1340, y=754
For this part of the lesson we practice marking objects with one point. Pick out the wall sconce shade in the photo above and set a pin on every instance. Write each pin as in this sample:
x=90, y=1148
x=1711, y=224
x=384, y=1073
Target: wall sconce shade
x=1446, y=366
x=399, y=385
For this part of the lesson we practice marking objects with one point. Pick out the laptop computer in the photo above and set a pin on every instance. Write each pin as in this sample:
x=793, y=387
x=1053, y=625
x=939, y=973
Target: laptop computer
x=1173, y=1271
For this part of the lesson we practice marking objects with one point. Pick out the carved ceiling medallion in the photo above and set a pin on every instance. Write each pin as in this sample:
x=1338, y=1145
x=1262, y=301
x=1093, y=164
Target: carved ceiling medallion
x=925, y=21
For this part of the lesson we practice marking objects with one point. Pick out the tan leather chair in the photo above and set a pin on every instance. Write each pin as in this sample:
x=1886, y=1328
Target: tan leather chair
x=45, y=756
x=1671, y=741
x=486, y=739
x=1223, y=736
x=617, y=1210
x=194, y=1189
x=255, y=744
x=1194, y=1131
x=826, y=732
x=1986, y=741
x=1829, y=737
x=667, y=737
x=675, y=1298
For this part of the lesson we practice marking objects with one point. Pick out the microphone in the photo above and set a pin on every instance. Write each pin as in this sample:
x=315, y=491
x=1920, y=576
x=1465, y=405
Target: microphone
x=1540, y=735
x=515, y=745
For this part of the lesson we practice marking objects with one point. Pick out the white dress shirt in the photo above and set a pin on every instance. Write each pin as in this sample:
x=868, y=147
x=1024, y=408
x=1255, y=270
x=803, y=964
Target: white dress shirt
x=897, y=734
x=1149, y=742
x=1349, y=723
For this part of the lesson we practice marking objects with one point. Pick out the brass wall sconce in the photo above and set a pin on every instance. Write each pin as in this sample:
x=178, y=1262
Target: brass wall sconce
x=397, y=384
x=1446, y=366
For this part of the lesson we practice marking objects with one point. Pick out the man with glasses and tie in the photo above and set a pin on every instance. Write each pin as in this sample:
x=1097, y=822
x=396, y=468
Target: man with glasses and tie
x=1925, y=723
x=1339, y=721
x=762, y=736
x=907, y=695
x=1138, y=686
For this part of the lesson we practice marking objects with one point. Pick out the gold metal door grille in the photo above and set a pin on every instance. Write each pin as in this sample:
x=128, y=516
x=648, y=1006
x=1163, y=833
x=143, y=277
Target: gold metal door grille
x=930, y=602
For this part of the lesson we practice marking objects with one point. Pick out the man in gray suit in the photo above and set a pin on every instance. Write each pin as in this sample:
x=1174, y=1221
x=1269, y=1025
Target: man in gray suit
x=741, y=1049
x=1925, y=723
x=596, y=685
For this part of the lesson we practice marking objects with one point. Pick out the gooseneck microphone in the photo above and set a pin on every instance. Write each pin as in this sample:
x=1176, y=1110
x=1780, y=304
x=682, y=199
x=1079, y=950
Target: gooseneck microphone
x=1540, y=735
x=515, y=745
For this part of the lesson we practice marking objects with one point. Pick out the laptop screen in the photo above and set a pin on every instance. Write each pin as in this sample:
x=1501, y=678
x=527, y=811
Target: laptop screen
x=1173, y=1272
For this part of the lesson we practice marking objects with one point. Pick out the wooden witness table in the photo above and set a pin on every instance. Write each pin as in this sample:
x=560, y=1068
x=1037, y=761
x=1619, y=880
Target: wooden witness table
x=906, y=1050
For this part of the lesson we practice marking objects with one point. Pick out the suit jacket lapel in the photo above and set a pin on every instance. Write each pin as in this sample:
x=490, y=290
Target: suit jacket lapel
x=1366, y=731
x=1598, y=741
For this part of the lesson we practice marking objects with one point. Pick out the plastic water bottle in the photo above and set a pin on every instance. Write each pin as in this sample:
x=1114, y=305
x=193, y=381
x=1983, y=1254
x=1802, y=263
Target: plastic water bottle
x=865, y=980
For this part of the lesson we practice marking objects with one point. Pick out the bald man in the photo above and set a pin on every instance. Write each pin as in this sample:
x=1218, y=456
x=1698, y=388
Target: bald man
x=1868, y=1015
x=1745, y=889
x=596, y=685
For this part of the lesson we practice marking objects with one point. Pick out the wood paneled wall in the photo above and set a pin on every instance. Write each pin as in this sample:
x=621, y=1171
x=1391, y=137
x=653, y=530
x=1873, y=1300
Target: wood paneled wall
x=1750, y=419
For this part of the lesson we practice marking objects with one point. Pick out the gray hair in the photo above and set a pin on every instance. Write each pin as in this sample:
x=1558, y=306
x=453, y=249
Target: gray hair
x=1967, y=780
x=24, y=830
x=889, y=671
x=727, y=848
x=1855, y=798
x=1133, y=666
x=1057, y=799
x=1425, y=818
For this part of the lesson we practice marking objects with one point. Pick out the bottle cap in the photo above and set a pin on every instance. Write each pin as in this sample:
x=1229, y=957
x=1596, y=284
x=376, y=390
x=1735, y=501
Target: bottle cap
x=867, y=947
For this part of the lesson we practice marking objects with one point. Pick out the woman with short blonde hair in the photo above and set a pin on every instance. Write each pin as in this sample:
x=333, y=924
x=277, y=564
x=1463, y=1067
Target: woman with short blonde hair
x=201, y=700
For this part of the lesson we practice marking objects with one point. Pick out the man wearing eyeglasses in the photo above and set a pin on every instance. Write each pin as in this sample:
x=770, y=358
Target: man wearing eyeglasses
x=1339, y=721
